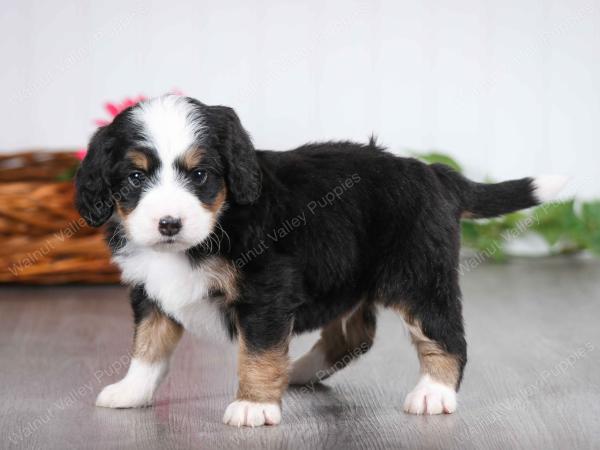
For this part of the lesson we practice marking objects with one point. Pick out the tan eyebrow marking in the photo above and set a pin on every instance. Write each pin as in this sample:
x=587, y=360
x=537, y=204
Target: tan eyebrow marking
x=139, y=159
x=193, y=157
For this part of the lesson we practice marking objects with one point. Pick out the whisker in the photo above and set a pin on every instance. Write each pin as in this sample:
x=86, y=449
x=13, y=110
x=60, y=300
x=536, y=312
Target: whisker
x=226, y=235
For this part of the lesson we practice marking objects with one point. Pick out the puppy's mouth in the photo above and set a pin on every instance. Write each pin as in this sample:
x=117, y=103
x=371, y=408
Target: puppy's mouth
x=170, y=244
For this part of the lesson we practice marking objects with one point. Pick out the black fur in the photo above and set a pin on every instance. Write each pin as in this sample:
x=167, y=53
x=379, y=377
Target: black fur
x=141, y=305
x=94, y=200
x=316, y=230
x=237, y=152
x=391, y=237
x=101, y=180
x=481, y=200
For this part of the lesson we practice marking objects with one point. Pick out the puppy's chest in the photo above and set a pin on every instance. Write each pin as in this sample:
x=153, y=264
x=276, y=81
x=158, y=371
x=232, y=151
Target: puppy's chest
x=193, y=295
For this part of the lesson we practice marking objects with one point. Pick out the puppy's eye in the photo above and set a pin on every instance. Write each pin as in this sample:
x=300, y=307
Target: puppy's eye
x=136, y=177
x=199, y=176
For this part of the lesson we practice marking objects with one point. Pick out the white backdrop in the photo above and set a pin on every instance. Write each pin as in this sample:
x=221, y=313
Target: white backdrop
x=511, y=88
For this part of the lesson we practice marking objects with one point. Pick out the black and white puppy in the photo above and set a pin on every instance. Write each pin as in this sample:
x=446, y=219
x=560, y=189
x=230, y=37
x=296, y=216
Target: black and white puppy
x=214, y=236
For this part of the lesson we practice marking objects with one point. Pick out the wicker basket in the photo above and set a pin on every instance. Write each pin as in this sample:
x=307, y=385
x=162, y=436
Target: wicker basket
x=43, y=240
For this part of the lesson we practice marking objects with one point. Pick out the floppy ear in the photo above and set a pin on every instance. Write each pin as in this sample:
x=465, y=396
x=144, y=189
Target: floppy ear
x=244, y=177
x=93, y=198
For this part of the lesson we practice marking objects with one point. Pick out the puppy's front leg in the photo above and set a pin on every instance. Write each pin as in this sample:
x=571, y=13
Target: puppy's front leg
x=156, y=336
x=263, y=377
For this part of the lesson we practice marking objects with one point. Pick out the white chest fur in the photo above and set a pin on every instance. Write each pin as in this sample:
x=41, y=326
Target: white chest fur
x=181, y=290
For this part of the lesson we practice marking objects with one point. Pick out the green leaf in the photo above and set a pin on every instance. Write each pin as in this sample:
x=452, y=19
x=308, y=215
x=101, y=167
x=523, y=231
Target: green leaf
x=68, y=174
x=433, y=157
x=485, y=238
x=590, y=217
x=557, y=222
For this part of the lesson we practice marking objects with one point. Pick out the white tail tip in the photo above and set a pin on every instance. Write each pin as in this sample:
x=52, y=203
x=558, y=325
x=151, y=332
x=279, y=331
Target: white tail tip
x=547, y=186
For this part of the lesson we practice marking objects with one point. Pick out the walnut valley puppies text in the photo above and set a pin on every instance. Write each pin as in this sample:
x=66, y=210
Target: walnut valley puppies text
x=289, y=225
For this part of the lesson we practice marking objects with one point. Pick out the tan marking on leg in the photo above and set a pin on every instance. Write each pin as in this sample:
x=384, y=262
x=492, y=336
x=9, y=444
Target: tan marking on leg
x=156, y=336
x=440, y=365
x=263, y=375
x=346, y=338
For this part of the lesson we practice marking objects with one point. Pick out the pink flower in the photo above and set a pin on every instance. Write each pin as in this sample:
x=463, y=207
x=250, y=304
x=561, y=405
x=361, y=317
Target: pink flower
x=80, y=154
x=114, y=109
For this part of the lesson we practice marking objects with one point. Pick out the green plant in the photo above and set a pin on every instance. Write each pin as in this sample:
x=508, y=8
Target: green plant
x=567, y=226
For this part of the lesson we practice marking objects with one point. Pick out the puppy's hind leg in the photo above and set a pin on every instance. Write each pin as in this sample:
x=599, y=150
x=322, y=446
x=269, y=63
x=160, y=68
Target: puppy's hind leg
x=156, y=336
x=438, y=336
x=342, y=341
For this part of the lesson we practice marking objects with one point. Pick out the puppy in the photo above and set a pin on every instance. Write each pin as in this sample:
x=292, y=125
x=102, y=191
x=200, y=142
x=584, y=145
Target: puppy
x=214, y=236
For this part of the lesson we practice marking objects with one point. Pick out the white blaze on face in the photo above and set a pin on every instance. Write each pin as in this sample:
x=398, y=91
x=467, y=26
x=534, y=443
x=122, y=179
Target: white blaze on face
x=170, y=125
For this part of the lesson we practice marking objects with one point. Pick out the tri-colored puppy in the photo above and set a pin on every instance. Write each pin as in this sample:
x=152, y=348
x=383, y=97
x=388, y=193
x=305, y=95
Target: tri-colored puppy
x=213, y=235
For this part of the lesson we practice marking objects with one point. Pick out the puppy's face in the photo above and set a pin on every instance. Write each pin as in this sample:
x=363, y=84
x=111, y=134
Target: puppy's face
x=165, y=169
x=170, y=183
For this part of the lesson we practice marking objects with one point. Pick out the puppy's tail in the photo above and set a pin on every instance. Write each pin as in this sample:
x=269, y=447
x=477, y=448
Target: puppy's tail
x=481, y=200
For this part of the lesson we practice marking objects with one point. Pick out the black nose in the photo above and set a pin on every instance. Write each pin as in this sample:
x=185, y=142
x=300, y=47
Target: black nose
x=169, y=226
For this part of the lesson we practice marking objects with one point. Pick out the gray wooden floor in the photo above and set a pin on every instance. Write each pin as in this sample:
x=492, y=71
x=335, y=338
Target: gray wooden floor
x=533, y=379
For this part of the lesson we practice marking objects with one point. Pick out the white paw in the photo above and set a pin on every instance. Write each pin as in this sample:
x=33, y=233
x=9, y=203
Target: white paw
x=251, y=414
x=310, y=368
x=137, y=388
x=430, y=397
x=124, y=395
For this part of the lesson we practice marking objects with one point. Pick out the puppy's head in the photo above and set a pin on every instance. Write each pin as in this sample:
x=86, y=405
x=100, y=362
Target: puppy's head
x=165, y=169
